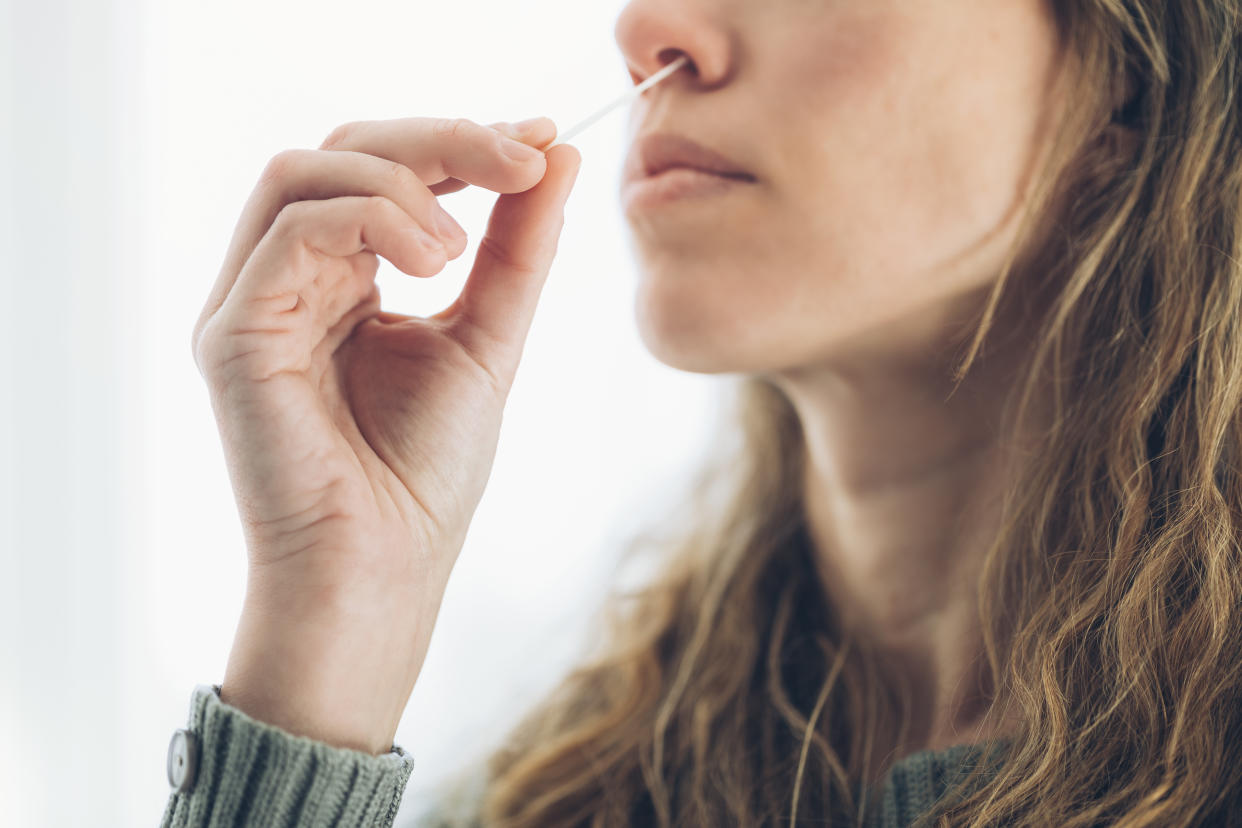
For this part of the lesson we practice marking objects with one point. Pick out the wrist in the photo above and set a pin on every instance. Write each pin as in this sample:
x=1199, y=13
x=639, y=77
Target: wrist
x=325, y=671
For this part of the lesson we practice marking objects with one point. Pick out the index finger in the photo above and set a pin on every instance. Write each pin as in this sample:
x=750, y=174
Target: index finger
x=538, y=132
x=438, y=149
x=442, y=153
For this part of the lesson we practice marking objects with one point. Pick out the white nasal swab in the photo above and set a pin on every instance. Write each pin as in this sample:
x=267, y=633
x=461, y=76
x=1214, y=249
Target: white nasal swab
x=667, y=71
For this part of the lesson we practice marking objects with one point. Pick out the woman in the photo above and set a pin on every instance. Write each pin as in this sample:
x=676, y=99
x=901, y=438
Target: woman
x=977, y=560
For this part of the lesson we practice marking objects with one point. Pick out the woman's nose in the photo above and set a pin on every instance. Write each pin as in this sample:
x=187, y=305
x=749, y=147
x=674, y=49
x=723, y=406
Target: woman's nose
x=653, y=33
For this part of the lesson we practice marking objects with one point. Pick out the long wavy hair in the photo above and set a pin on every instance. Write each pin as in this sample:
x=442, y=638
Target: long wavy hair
x=726, y=691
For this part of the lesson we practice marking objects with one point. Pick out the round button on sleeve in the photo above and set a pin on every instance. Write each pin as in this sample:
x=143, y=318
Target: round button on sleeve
x=182, y=760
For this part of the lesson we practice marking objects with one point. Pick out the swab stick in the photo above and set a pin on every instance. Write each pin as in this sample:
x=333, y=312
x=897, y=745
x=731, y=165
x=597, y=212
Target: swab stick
x=666, y=72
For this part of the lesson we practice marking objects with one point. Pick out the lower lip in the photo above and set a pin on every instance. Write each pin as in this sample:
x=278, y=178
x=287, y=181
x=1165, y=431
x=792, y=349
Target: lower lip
x=676, y=184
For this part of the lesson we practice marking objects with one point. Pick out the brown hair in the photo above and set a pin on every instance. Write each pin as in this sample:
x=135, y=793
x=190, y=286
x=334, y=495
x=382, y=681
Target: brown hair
x=728, y=694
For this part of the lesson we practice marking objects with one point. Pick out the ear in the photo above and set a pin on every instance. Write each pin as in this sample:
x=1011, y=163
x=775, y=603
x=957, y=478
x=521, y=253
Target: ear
x=1127, y=97
x=1121, y=136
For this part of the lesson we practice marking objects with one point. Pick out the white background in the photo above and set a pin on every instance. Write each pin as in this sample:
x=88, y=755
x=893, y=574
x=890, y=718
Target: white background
x=132, y=134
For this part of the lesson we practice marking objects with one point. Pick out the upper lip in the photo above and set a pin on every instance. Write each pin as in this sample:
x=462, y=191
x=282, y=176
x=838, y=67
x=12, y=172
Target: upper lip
x=656, y=152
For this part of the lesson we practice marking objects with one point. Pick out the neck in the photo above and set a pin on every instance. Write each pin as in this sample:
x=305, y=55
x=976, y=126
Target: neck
x=902, y=484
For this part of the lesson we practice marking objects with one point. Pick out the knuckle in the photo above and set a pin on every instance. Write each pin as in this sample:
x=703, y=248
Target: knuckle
x=498, y=141
x=194, y=343
x=203, y=346
x=452, y=128
x=289, y=217
x=280, y=166
x=340, y=136
x=401, y=176
x=382, y=208
x=505, y=258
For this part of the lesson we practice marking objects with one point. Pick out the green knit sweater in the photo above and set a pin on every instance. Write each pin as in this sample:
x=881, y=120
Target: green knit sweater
x=249, y=773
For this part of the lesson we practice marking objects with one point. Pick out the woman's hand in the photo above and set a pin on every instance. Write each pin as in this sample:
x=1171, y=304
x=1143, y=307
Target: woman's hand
x=359, y=442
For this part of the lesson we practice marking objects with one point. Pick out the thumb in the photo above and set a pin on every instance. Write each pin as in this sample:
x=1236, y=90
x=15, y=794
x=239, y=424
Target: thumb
x=497, y=304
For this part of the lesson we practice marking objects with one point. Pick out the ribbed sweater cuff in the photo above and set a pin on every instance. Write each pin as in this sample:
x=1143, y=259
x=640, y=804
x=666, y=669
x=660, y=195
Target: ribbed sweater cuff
x=251, y=773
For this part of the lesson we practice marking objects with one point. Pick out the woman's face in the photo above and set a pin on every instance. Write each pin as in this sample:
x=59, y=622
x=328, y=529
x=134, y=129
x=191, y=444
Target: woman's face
x=892, y=142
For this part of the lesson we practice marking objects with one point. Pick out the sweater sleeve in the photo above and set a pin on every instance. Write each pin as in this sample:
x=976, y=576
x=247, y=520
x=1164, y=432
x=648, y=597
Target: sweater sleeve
x=250, y=773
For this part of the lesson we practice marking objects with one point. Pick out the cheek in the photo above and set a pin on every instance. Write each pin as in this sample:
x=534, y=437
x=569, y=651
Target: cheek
x=783, y=295
x=918, y=139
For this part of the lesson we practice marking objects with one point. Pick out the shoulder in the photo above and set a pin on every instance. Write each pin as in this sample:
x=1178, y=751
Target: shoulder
x=915, y=783
x=453, y=804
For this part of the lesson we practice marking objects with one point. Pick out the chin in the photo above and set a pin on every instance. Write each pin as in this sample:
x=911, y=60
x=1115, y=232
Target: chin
x=695, y=343
x=689, y=360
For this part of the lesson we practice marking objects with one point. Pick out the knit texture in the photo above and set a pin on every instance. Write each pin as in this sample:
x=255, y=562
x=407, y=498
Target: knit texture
x=251, y=773
x=912, y=788
x=914, y=784
x=254, y=774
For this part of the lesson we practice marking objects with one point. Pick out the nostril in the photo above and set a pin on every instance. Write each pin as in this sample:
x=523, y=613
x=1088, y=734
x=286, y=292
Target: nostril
x=669, y=55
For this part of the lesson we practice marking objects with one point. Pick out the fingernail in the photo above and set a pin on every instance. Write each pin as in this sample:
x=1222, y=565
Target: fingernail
x=446, y=226
x=519, y=151
x=528, y=126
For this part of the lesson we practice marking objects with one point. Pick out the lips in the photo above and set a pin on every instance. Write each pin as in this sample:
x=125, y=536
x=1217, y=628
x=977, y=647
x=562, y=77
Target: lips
x=659, y=151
